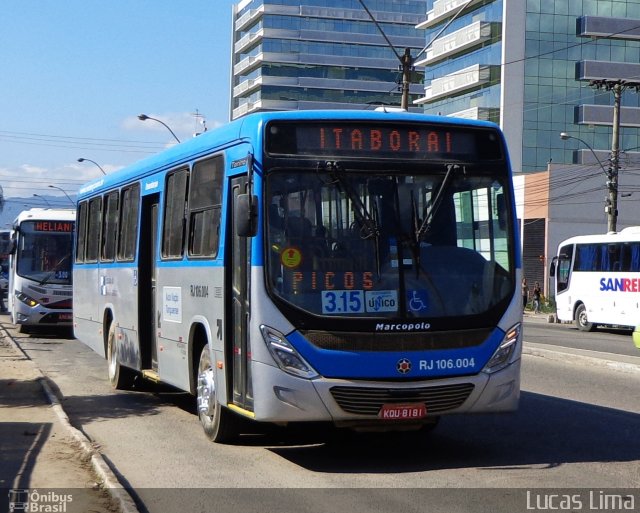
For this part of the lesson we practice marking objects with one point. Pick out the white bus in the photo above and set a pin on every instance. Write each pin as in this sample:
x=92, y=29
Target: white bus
x=40, y=293
x=597, y=279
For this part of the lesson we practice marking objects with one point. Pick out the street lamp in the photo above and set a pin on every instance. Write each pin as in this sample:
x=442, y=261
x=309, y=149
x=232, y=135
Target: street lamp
x=144, y=117
x=43, y=199
x=611, y=207
x=93, y=161
x=64, y=192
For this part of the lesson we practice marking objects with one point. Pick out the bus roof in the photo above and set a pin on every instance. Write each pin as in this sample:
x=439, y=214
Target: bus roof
x=247, y=128
x=45, y=214
x=630, y=234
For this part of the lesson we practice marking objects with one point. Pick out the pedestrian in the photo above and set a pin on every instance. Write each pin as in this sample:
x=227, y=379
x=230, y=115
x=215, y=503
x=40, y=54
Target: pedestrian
x=537, y=296
x=525, y=293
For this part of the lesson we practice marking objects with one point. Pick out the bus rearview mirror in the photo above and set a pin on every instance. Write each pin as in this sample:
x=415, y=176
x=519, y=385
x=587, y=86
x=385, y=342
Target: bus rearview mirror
x=246, y=215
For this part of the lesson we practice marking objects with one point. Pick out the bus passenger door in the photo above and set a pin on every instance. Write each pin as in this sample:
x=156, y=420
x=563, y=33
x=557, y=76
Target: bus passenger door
x=239, y=278
x=147, y=283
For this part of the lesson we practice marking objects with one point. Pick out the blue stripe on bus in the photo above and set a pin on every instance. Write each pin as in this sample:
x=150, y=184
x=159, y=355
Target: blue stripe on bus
x=380, y=365
x=160, y=264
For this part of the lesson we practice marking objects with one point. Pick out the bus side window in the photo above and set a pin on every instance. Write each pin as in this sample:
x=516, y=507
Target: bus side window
x=81, y=224
x=128, y=225
x=634, y=264
x=173, y=226
x=94, y=230
x=205, y=198
x=110, y=227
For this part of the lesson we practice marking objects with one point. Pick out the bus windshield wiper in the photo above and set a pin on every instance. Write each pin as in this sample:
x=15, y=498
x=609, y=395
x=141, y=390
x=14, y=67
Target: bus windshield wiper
x=53, y=271
x=427, y=223
x=368, y=224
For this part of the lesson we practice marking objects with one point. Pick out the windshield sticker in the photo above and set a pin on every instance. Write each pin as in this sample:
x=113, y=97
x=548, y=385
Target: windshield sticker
x=381, y=300
x=291, y=257
x=417, y=301
x=342, y=301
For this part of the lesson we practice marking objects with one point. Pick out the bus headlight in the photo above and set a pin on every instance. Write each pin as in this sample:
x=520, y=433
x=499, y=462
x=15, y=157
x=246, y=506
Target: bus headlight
x=29, y=301
x=501, y=357
x=285, y=355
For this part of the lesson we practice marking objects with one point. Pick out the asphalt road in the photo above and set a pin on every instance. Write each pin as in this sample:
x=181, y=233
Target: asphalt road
x=601, y=340
x=576, y=428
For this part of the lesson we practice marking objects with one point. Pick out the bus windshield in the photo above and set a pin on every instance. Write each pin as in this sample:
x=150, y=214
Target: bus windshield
x=44, y=254
x=388, y=244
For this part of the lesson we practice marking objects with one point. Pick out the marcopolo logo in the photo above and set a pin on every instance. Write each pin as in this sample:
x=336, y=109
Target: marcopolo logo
x=403, y=366
x=403, y=326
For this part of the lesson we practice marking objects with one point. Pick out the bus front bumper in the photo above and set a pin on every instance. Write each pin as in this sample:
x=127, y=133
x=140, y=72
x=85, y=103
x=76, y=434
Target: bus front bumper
x=280, y=397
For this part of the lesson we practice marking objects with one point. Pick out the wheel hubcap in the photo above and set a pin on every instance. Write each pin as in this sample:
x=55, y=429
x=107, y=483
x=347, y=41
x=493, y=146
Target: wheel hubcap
x=583, y=319
x=206, y=392
x=112, y=359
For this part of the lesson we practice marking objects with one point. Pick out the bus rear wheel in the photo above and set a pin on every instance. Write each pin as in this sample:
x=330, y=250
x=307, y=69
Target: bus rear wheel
x=121, y=378
x=582, y=322
x=219, y=423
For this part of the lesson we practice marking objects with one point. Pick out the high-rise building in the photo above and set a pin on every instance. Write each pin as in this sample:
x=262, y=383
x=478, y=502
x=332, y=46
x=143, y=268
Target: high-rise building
x=516, y=63
x=318, y=54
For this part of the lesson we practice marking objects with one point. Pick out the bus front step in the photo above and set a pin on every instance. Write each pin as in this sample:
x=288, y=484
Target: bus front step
x=151, y=375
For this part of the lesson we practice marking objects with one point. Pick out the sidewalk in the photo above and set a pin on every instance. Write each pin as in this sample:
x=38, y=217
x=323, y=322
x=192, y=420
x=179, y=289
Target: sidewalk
x=43, y=458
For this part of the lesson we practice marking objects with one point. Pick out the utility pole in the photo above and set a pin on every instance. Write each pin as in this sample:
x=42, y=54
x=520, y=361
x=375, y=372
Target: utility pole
x=406, y=60
x=614, y=166
x=611, y=205
x=407, y=67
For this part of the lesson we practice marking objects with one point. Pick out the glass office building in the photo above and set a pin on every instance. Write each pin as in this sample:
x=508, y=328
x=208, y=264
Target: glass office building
x=316, y=54
x=528, y=64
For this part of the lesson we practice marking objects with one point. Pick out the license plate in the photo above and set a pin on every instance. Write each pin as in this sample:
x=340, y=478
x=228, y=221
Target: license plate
x=65, y=317
x=402, y=411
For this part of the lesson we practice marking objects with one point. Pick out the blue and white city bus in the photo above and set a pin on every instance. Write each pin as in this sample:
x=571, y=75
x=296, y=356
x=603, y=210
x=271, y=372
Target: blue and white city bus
x=360, y=268
x=39, y=290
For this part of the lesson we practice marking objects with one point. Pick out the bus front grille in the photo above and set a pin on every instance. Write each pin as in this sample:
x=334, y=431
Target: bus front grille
x=404, y=341
x=368, y=401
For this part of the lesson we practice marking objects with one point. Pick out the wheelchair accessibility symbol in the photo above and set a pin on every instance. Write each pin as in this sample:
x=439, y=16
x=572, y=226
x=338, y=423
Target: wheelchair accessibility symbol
x=417, y=300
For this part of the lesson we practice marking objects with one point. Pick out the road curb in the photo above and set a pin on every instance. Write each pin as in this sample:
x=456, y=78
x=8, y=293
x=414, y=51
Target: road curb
x=579, y=356
x=109, y=480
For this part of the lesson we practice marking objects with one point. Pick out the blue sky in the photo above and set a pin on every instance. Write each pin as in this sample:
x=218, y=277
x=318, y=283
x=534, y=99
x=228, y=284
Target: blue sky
x=76, y=73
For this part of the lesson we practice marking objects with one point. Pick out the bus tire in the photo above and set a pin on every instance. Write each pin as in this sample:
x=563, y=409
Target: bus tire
x=582, y=322
x=121, y=378
x=218, y=422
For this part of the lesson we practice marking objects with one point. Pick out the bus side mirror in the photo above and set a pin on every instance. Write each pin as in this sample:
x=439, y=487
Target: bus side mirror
x=246, y=215
x=552, y=267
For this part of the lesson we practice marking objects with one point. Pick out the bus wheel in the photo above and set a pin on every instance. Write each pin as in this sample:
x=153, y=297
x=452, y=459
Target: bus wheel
x=582, y=322
x=121, y=378
x=218, y=422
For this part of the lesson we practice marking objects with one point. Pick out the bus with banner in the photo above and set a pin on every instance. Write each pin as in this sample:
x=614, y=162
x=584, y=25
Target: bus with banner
x=597, y=279
x=39, y=289
x=358, y=268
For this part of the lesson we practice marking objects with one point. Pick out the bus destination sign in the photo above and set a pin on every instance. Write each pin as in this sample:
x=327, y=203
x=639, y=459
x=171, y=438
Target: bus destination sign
x=53, y=226
x=380, y=140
